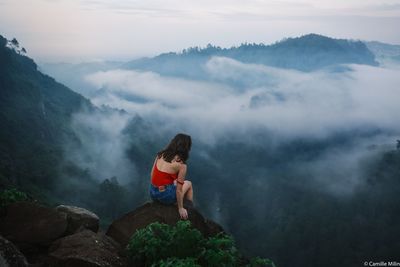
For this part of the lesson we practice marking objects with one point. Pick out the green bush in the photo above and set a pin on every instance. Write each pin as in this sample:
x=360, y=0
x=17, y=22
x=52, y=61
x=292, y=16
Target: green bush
x=12, y=195
x=176, y=262
x=182, y=245
x=258, y=262
x=220, y=248
x=160, y=241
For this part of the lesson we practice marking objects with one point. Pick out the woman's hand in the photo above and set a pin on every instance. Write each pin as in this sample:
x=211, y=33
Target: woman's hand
x=183, y=213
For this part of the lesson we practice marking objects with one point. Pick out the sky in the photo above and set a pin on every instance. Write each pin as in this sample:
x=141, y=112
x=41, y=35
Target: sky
x=89, y=30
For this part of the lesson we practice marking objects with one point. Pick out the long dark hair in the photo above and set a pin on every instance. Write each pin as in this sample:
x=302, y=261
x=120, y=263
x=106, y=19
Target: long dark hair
x=180, y=145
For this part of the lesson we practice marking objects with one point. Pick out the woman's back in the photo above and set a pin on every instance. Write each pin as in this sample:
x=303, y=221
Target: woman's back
x=164, y=172
x=168, y=184
x=165, y=166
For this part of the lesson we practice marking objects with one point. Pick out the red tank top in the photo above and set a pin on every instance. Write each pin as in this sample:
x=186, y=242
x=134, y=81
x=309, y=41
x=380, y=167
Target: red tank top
x=162, y=178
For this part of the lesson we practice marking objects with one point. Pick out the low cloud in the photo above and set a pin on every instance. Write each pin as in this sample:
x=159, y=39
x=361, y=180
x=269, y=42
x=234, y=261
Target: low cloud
x=102, y=145
x=254, y=105
x=287, y=103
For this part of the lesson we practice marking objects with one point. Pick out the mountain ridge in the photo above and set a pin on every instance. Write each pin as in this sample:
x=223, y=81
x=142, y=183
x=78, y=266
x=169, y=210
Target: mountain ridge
x=306, y=53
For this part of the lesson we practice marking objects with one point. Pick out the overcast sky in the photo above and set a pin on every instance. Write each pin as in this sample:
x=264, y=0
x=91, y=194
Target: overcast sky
x=85, y=30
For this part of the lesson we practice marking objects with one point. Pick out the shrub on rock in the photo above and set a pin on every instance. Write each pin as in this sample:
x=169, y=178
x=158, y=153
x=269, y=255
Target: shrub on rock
x=160, y=244
x=12, y=195
x=175, y=262
x=160, y=241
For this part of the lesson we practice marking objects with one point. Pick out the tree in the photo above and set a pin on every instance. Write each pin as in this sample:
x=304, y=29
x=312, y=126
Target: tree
x=15, y=43
x=113, y=197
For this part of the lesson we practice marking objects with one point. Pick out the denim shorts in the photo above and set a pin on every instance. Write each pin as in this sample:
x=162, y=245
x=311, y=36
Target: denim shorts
x=168, y=196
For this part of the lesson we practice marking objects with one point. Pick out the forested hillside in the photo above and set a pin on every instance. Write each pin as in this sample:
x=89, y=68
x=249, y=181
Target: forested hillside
x=35, y=115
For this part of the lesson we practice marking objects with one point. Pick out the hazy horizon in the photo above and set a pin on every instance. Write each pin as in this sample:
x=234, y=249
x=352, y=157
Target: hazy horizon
x=81, y=31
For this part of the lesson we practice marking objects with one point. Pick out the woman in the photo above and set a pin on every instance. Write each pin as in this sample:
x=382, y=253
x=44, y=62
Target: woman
x=168, y=184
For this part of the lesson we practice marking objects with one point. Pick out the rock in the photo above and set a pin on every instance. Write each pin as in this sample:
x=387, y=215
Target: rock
x=123, y=228
x=87, y=249
x=10, y=256
x=28, y=223
x=213, y=227
x=79, y=219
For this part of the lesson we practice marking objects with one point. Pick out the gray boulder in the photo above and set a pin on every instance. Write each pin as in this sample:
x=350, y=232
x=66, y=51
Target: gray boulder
x=79, y=219
x=10, y=256
x=86, y=249
x=28, y=223
x=123, y=228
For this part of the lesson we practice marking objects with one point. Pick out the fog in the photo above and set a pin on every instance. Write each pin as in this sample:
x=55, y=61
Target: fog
x=102, y=144
x=273, y=149
x=287, y=103
x=254, y=105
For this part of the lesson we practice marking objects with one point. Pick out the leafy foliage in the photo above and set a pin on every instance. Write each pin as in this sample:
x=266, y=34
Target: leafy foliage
x=220, y=248
x=12, y=195
x=176, y=262
x=160, y=241
x=258, y=262
x=182, y=245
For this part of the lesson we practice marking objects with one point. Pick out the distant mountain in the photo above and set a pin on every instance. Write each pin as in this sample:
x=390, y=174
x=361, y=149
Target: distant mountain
x=35, y=112
x=306, y=53
x=384, y=52
x=73, y=75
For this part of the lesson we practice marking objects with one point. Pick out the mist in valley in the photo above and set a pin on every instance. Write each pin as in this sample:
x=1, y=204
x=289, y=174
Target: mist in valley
x=278, y=154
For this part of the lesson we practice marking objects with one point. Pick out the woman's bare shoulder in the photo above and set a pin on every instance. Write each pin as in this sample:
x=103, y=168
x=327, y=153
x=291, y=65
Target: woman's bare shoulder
x=178, y=163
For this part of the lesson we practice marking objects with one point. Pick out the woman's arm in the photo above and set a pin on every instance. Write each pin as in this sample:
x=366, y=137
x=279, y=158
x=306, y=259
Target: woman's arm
x=179, y=190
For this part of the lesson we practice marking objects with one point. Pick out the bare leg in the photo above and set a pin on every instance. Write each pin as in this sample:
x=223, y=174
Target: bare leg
x=188, y=190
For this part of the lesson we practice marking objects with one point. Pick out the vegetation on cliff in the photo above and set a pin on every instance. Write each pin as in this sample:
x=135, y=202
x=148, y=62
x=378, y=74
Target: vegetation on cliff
x=160, y=244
